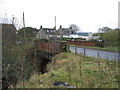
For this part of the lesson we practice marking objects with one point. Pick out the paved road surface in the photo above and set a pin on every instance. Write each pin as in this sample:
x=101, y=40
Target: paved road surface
x=91, y=52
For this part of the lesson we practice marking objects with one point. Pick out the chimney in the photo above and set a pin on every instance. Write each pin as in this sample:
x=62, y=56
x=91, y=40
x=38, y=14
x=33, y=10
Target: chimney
x=70, y=27
x=54, y=28
x=41, y=27
x=60, y=26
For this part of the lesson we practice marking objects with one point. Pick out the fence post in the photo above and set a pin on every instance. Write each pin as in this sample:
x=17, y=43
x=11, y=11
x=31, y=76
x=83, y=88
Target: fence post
x=68, y=48
x=84, y=51
x=98, y=52
x=75, y=50
x=115, y=55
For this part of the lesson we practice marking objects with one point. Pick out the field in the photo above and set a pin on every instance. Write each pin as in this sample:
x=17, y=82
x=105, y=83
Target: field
x=88, y=72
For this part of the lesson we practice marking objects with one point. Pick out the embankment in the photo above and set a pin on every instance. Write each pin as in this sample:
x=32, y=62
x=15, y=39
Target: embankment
x=77, y=71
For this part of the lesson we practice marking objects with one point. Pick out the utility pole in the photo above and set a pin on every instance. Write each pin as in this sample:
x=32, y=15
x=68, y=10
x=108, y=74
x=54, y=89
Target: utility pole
x=55, y=22
x=55, y=40
x=23, y=20
x=24, y=25
x=13, y=18
x=22, y=61
x=55, y=28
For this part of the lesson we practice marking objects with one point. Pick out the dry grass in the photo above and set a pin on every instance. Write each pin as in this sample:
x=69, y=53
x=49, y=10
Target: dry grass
x=77, y=71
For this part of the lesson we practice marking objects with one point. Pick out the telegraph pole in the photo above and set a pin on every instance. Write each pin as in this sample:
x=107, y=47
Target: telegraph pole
x=13, y=18
x=55, y=42
x=55, y=28
x=55, y=22
x=23, y=20
x=24, y=25
x=22, y=61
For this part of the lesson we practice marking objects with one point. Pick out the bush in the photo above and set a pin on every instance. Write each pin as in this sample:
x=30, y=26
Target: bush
x=16, y=64
x=45, y=40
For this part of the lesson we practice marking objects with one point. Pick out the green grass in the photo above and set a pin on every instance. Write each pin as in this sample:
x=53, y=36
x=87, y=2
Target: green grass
x=113, y=49
x=88, y=72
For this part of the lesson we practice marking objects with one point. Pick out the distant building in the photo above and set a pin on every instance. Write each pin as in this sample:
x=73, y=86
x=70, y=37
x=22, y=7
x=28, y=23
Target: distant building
x=46, y=33
x=85, y=35
x=66, y=32
x=95, y=36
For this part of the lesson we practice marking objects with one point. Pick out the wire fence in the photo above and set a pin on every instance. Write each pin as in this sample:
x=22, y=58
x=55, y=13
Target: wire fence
x=95, y=53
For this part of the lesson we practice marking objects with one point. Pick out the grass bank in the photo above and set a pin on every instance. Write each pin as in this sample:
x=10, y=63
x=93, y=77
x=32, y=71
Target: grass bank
x=112, y=49
x=88, y=72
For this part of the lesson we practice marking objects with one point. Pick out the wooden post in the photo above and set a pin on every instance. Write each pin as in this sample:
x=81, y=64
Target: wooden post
x=68, y=48
x=23, y=20
x=98, y=53
x=25, y=32
x=115, y=55
x=75, y=50
x=84, y=51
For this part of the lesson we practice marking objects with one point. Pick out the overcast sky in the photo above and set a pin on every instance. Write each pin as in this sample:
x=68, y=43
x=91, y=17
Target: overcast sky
x=89, y=15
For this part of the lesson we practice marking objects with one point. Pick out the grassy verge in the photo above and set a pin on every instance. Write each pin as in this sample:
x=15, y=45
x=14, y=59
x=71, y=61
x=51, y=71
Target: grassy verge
x=88, y=72
x=113, y=49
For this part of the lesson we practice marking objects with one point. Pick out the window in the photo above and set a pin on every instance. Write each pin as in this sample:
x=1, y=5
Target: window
x=72, y=32
x=68, y=32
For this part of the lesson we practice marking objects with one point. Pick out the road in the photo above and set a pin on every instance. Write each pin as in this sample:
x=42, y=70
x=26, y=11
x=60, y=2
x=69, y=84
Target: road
x=102, y=54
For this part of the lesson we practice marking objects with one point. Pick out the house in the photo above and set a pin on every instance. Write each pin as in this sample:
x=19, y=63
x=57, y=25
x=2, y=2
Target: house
x=46, y=33
x=66, y=32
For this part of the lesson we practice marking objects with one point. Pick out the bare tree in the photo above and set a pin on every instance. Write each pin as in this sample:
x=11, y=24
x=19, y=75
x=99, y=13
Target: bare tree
x=74, y=26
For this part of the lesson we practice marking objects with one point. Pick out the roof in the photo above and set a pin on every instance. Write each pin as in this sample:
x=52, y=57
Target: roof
x=65, y=28
x=66, y=31
x=50, y=31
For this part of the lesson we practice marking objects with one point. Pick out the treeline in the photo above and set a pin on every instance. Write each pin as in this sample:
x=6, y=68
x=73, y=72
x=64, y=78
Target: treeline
x=110, y=36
